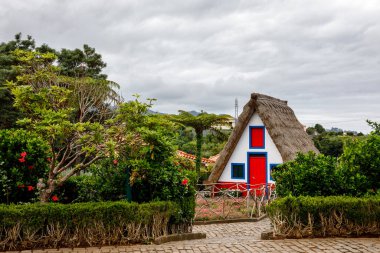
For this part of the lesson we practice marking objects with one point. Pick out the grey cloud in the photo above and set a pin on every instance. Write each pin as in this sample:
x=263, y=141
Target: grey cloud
x=323, y=57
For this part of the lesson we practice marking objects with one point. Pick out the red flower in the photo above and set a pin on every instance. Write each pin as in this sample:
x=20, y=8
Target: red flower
x=23, y=154
x=115, y=162
x=55, y=198
x=21, y=160
x=30, y=188
x=20, y=186
x=185, y=181
x=49, y=159
x=30, y=167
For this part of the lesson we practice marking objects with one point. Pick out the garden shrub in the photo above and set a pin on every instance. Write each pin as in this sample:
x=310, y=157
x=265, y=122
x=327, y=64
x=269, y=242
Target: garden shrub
x=318, y=175
x=303, y=216
x=82, y=188
x=308, y=174
x=107, y=182
x=23, y=160
x=363, y=157
x=87, y=224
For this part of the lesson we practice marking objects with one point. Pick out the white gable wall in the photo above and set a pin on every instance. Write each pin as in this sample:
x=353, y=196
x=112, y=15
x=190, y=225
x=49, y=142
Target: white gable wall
x=239, y=155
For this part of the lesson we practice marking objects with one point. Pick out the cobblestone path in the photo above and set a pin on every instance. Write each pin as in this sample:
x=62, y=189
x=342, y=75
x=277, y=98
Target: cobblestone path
x=240, y=237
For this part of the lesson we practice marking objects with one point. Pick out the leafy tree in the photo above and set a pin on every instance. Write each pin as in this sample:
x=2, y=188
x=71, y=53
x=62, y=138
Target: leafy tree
x=80, y=63
x=310, y=131
x=375, y=126
x=319, y=128
x=329, y=144
x=318, y=175
x=47, y=101
x=213, y=141
x=8, y=114
x=147, y=154
x=362, y=156
x=200, y=123
x=309, y=175
x=72, y=63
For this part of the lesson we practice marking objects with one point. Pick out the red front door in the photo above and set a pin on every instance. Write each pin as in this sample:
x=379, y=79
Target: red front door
x=257, y=170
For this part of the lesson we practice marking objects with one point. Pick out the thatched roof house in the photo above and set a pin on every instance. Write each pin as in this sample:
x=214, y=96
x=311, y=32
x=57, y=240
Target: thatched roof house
x=267, y=133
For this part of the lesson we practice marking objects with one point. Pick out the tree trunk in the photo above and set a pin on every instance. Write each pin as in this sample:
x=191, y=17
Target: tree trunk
x=47, y=191
x=198, y=153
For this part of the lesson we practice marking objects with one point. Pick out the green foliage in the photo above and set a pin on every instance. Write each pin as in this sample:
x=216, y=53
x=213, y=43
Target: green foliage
x=309, y=174
x=73, y=63
x=325, y=216
x=79, y=63
x=146, y=154
x=49, y=102
x=8, y=114
x=319, y=128
x=19, y=172
x=213, y=142
x=356, y=172
x=200, y=123
x=8, y=60
x=165, y=183
x=107, y=181
x=329, y=145
x=103, y=181
x=375, y=126
x=363, y=157
x=110, y=222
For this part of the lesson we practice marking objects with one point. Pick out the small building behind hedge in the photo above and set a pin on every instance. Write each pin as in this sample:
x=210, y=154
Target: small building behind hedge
x=267, y=134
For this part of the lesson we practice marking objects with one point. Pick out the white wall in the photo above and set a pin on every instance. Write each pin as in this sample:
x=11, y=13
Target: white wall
x=240, y=153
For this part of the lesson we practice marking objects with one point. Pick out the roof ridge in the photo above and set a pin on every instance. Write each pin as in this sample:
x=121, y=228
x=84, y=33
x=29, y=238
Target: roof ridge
x=259, y=96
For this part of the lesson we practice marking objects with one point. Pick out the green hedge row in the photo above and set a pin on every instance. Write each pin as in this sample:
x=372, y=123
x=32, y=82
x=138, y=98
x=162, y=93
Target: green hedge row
x=88, y=224
x=297, y=217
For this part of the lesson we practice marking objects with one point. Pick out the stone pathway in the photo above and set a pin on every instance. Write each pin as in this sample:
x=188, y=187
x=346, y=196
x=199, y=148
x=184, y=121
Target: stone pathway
x=240, y=237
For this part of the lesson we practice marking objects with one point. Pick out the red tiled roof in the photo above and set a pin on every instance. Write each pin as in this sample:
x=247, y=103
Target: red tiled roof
x=193, y=157
x=214, y=158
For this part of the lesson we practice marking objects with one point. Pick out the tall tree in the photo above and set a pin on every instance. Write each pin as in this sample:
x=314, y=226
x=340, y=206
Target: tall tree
x=48, y=101
x=73, y=63
x=200, y=123
x=8, y=114
x=80, y=63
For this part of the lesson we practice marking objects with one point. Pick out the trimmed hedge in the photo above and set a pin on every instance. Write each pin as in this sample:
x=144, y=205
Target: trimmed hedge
x=297, y=217
x=87, y=224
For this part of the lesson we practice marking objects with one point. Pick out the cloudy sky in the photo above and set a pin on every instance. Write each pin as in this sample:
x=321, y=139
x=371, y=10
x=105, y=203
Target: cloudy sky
x=321, y=56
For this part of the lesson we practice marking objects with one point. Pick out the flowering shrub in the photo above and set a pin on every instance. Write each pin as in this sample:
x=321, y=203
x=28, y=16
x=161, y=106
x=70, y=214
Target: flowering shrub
x=22, y=162
x=185, y=181
x=107, y=181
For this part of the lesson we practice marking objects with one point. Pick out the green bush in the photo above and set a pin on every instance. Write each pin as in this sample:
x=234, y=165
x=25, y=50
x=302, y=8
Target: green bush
x=325, y=216
x=87, y=224
x=329, y=144
x=318, y=175
x=82, y=188
x=309, y=174
x=23, y=160
x=107, y=182
x=363, y=157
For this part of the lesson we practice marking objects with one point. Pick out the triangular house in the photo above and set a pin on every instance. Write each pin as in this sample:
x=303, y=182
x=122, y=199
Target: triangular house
x=267, y=134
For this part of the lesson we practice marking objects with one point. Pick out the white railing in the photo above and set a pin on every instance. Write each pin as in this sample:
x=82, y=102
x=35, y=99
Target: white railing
x=232, y=200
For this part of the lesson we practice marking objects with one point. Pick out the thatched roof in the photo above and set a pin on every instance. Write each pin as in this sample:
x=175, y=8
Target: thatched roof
x=286, y=131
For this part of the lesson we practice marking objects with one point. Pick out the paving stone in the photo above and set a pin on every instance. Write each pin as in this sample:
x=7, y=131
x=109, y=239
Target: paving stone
x=238, y=237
